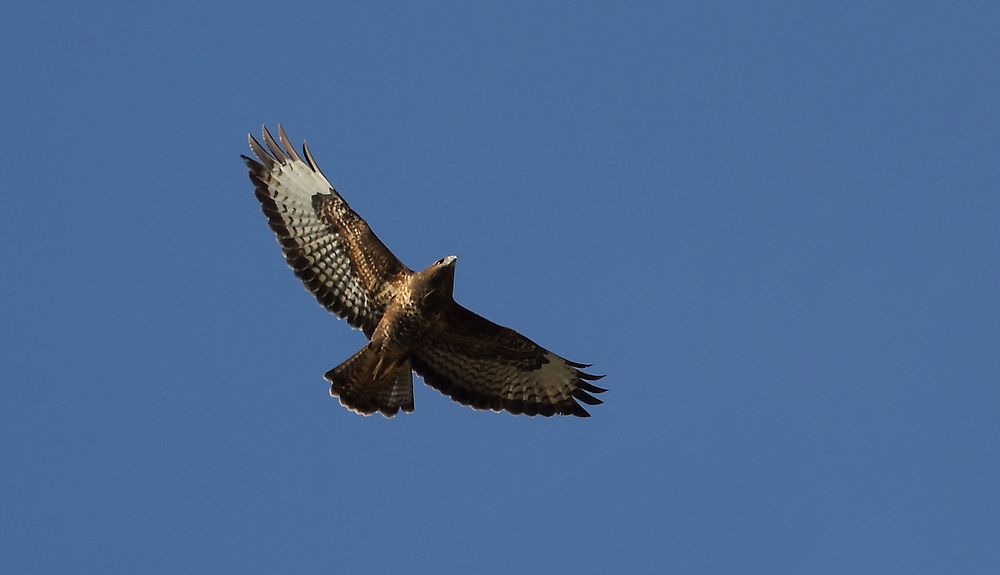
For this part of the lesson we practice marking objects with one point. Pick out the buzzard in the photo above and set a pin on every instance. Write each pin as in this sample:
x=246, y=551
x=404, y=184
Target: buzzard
x=410, y=318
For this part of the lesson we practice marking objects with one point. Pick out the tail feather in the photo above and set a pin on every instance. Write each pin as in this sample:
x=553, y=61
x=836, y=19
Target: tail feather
x=365, y=384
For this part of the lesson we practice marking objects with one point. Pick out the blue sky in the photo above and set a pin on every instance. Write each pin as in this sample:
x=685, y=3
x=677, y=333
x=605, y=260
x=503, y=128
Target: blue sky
x=774, y=226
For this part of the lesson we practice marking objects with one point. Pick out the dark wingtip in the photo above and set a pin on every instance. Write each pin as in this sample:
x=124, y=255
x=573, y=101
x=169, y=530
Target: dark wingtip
x=309, y=157
x=252, y=164
x=576, y=409
x=588, y=387
x=585, y=397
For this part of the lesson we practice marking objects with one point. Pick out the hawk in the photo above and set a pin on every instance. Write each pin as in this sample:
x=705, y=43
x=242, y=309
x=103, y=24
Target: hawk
x=410, y=318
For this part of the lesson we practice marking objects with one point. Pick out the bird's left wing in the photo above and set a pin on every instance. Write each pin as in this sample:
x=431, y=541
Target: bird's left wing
x=481, y=364
x=332, y=250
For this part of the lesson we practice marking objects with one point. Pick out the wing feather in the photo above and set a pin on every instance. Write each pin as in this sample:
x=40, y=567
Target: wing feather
x=276, y=150
x=328, y=245
x=287, y=144
x=479, y=363
x=309, y=156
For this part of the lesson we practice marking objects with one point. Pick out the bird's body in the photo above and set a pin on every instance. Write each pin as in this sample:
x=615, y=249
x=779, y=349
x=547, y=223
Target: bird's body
x=411, y=318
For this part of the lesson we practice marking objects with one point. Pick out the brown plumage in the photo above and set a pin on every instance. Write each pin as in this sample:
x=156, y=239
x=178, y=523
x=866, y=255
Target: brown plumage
x=411, y=319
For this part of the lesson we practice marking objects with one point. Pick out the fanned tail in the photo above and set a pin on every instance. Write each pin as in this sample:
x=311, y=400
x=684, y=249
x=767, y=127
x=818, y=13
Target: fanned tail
x=367, y=385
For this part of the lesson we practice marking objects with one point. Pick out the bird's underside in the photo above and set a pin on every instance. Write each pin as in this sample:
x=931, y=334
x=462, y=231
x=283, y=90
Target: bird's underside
x=411, y=319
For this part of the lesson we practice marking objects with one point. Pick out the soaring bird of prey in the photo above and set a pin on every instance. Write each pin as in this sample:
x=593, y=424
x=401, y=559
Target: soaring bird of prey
x=410, y=318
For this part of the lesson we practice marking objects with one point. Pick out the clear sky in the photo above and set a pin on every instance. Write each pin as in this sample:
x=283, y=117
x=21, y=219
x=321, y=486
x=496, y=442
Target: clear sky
x=775, y=226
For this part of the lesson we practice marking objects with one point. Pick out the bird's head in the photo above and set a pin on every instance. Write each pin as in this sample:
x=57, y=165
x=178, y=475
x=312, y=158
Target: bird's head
x=443, y=272
x=448, y=261
x=439, y=279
